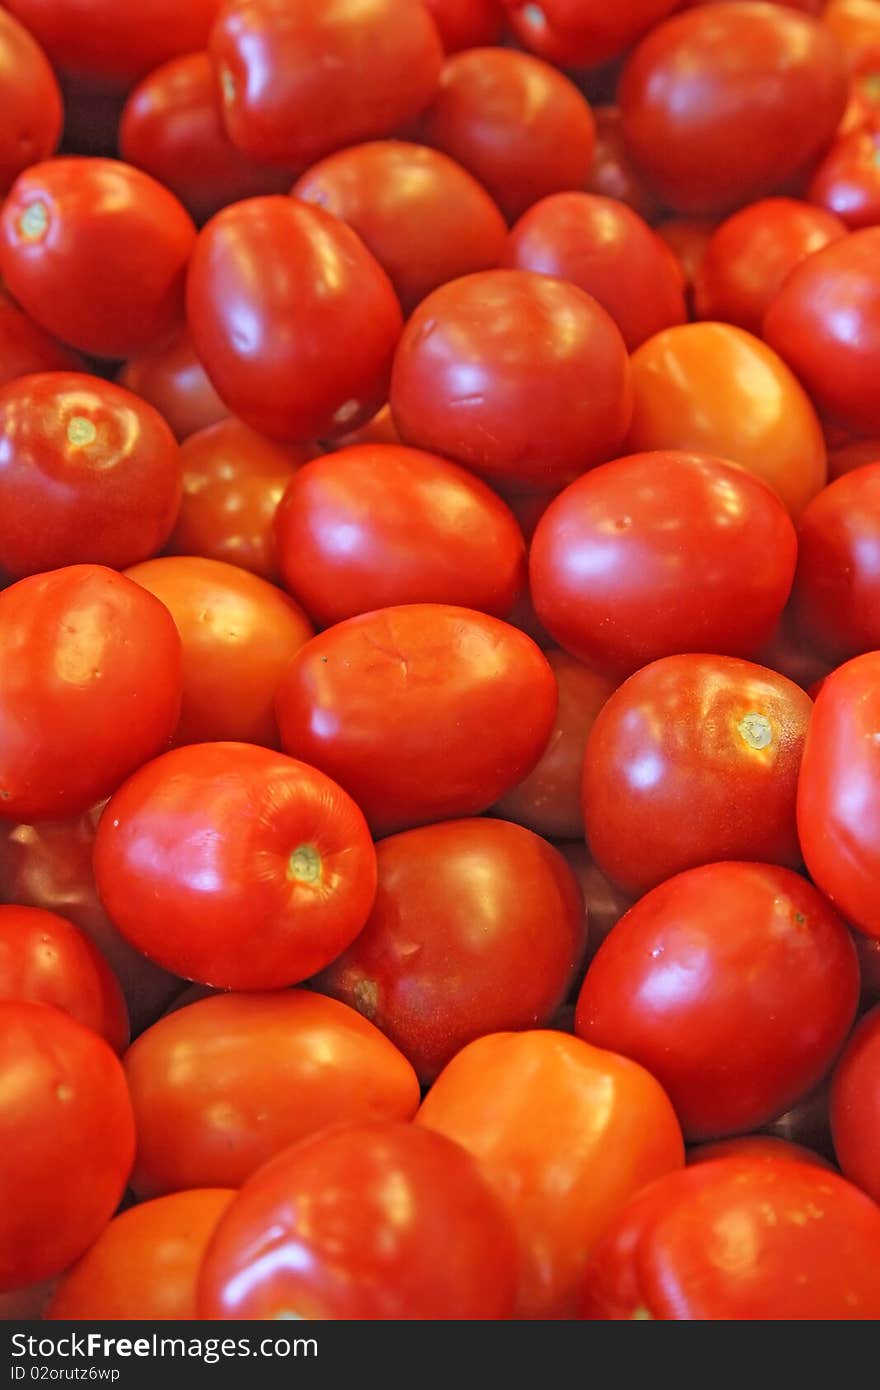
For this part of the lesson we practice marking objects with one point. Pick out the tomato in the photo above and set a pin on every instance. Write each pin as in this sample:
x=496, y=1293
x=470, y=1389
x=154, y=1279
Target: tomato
x=145, y=1264
x=757, y=1146
x=694, y=759
x=688, y=240
x=33, y=113
x=565, y=1133
x=847, y=182
x=855, y=1106
x=367, y=1222
x=838, y=803
x=584, y=33
x=235, y=866
x=380, y=430
x=89, y=690
x=845, y=457
x=171, y=127
x=25, y=347
x=825, y=322
x=477, y=926
x=281, y=292
x=520, y=376
x=424, y=217
x=45, y=959
x=466, y=23
x=422, y=712
x=740, y=1239
x=726, y=103
x=295, y=81
x=856, y=26
x=89, y=473
x=734, y=984
x=67, y=1140
x=173, y=380
x=520, y=126
x=613, y=174
x=749, y=256
x=238, y=634
x=605, y=903
x=618, y=583
x=791, y=655
x=837, y=587
x=714, y=389
x=377, y=525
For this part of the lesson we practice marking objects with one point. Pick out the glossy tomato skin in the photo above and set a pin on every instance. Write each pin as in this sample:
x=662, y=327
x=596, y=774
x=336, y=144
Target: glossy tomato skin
x=423, y=712
x=90, y=689
x=295, y=83
x=522, y=377
x=723, y=104
x=363, y=1221
x=424, y=217
x=694, y=759
x=518, y=124
x=33, y=113
x=734, y=984
x=96, y=252
x=847, y=182
x=855, y=1106
x=145, y=1263
x=172, y=379
x=619, y=584
x=466, y=23
x=613, y=174
x=478, y=926
x=856, y=26
x=714, y=389
x=68, y=1140
x=417, y=530
x=45, y=959
x=238, y=633
x=756, y=1146
x=321, y=312
x=25, y=347
x=564, y=1133
x=836, y=588
x=235, y=866
x=584, y=33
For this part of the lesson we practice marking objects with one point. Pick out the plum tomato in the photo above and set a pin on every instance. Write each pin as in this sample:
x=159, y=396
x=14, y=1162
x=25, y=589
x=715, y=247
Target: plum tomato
x=466, y=23
x=30, y=98
x=584, y=33
x=613, y=174
x=847, y=182
x=172, y=379
x=26, y=348
x=837, y=584
x=855, y=1106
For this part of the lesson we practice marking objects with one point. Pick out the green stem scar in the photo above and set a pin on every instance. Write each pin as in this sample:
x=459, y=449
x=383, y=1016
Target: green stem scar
x=304, y=865
x=81, y=431
x=33, y=221
x=757, y=730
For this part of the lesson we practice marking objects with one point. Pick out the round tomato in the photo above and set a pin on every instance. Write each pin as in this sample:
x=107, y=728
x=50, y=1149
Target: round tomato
x=613, y=174
x=466, y=23
x=31, y=101
x=173, y=380
x=688, y=240
x=837, y=587
x=757, y=1146
x=855, y=1106
x=583, y=33
x=847, y=182
x=854, y=454
x=25, y=347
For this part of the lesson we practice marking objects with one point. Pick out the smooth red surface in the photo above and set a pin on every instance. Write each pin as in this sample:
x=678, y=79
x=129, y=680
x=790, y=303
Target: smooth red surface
x=25, y=347
x=466, y=23
x=584, y=33
x=837, y=587
x=172, y=378
x=847, y=182
x=612, y=173
x=756, y=1146
x=30, y=99
x=855, y=454
x=855, y=1106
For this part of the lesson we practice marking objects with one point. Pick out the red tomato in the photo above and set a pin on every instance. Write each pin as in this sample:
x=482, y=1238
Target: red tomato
x=96, y=252
x=477, y=926
x=44, y=959
x=235, y=866
x=299, y=80
x=520, y=126
x=788, y=653
x=519, y=376
x=855, y=1106
x=238, y=634
x=613, y=173
x=688, y=240
x=422, y=713
x=380, y=430
x=839, y=792
x=365, y=1222
x=854, y=454
x=89, y=690
x=757, y=1146
x=377, y=525
x=221, y=1086
x=847, y=182
x=825, y=322
x=565, y=1134
x=714, y=389
x=749, y=256
x=605, y=903
x=725, y=103
x=172, y=128
x=173, y=379
x=25, y=347
x=734, y=984
x=89, y=473
x=583, y=33
x=466, y=23
x=658, y=554
x=692, y=760
x=425, y=219
x=280, y=292
x=837, y=587
x=66, y=1140
x=856, y=26
x=30, y=99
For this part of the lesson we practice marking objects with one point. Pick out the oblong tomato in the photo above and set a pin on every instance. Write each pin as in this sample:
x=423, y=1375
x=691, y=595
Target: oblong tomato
x=25, y=347
x=172, y=378
x=837, y=585
x=33, y=114
x=855, y=1106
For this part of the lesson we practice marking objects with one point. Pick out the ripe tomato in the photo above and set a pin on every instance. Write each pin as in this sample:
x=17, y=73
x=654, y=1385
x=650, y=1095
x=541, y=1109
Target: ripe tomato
x=376, y=525
x=520, y=376
x=605, y=903
x=791, y=655
x=584, y=33
x=726, y=103
x=520, y=126
x=90, y=688
x=235, y=866
x=855, y=1106
x=757, y=1146
x=96, y=252
x=321, y=312
x=238, y=634
x=422, y=713
x=173, y=379
x=424, y=217
x=837, y=588
x=477, y=926
x=618, y=583
x=565, y=1134
x=734, y=984
x=856, y=26
x=31, y=101
x=67, y=1140
x=694, y=759
x=89, y=473
x=688, y=240
x=613, y=174
x=845, y=457
x=25, y=347
x=466, y=23
x=145, y=1264
x=366, y=1222
x=847, y=182
x=714, y=389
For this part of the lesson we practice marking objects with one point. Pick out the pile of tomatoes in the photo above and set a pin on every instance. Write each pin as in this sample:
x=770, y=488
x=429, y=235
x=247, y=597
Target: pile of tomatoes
x=440, y=659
